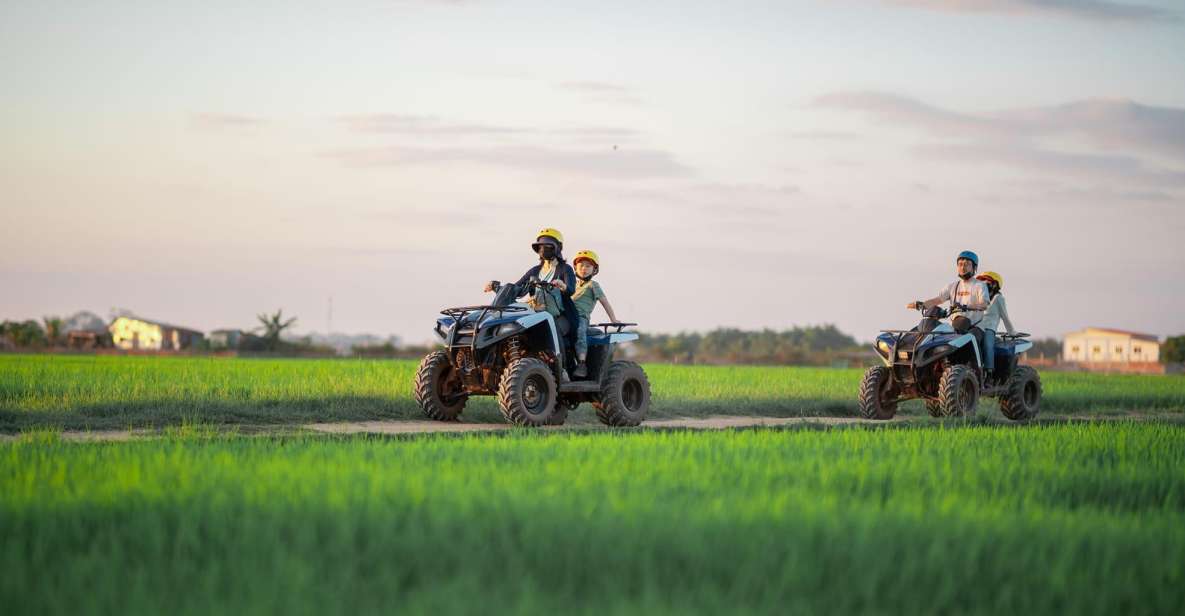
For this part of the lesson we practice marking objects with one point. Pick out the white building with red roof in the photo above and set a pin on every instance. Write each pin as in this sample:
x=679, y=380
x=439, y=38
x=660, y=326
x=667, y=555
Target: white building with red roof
x=1105, y=345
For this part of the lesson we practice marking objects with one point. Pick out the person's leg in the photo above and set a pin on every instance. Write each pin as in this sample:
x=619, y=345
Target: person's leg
x=581, y=347
x=989, y=350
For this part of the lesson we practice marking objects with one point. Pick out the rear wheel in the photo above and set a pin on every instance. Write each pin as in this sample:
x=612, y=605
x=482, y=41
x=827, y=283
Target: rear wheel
x=437, y=392
x=527, y=394
x=958, y=391
x=625, y=395
x=1022, y=395
x=877, y=398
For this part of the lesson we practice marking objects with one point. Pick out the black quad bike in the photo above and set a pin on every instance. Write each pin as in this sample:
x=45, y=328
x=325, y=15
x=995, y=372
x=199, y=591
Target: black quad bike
x=507, y=350
x=944, y=367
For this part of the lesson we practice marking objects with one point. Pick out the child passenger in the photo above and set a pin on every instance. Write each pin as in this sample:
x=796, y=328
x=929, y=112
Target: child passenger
x=996, y=311
x=585, y=298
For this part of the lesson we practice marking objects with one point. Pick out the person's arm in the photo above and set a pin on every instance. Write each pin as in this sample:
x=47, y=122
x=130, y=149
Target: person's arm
x=520, y=287
x=568, y=280
x=929, y=303
x=609, y=309
x=1004, y=314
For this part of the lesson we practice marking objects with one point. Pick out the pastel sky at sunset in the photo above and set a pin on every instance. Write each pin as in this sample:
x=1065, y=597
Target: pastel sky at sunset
x=750, y=164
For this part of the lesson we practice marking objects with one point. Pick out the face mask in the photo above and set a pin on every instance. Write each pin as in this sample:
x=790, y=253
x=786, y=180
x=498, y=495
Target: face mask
x=547, y=253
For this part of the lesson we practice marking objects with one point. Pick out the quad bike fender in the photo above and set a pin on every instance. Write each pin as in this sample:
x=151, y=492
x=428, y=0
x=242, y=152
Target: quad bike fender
x=612, y=338
x=536, y=319
x=955, y=345
x=1021, y=347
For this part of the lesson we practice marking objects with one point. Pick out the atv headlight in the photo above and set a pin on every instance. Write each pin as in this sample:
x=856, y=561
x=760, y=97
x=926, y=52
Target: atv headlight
x=508, y=328
x=884, y=347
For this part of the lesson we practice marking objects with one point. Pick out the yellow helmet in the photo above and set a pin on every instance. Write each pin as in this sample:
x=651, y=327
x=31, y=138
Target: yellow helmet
x=993, y=276
x=587, y=254
x=552, y=233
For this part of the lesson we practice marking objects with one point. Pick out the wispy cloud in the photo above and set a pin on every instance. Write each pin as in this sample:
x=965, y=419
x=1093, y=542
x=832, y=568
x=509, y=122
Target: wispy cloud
x=395, y=123
x=1100, y=140
x=1100, y=122
x=223, y=121
x=427, y=126
x=1096, y=10
x=624, y=163
x=602, y=92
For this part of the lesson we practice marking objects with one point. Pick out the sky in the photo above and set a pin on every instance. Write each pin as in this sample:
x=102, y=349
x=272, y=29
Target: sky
x=742, y=164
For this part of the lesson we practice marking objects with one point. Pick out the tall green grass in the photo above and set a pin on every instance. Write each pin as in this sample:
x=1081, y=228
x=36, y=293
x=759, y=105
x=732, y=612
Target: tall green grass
x=1067, y=519
x=119, y=392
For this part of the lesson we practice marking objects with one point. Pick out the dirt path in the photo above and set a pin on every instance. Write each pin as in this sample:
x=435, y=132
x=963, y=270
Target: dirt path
x=719, y=422
x=424, y=427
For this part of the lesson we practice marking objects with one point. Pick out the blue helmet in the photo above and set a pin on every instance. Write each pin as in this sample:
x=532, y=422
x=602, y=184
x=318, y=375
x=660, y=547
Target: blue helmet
x=967, y=254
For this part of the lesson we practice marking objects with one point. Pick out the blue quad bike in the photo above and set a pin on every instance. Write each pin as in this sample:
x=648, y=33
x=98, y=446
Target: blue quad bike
x=944, y=367
x=507, y=350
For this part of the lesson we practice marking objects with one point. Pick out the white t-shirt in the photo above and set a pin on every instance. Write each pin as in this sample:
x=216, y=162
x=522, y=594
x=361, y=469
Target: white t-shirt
x=997, y=311
x=971, y=293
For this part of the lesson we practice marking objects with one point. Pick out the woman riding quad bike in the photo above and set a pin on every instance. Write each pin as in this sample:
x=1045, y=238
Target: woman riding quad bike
x=518, y=353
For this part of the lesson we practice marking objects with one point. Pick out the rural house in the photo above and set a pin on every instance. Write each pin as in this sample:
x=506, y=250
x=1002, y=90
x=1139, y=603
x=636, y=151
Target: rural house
x=1098, y=345
x=132, y=333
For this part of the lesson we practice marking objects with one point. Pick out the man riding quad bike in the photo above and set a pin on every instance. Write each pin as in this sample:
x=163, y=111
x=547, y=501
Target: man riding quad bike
x=525, y=358
x=943, y=364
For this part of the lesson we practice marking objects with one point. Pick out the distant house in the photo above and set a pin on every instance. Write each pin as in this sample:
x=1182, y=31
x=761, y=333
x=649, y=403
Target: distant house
x=234, y=339
x=132, y=333
x=1099, y=345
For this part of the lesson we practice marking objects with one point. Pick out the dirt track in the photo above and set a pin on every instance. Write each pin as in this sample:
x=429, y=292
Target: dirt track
x=705, y=423
x=425, y=427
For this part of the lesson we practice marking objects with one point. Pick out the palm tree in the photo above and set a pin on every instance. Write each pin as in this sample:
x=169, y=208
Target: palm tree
x=273, y=326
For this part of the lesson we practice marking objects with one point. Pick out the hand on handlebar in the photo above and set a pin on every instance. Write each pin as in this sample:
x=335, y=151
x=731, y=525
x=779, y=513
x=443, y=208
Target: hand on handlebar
x=559, y=284
x=915, y=305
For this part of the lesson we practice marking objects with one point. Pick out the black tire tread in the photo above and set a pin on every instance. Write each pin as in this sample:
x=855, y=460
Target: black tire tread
x=1012, y=403
x=425, y=389
x=611, y=409
x=509, y=400
x=948, y=390
x=871, y=405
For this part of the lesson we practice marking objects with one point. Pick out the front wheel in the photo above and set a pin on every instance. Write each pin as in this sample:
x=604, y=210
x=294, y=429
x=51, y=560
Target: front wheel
x=877, y=400
x=625, y=395
x=958, y=391
x=437, y=390
x=527, y=394
x=1022, y=398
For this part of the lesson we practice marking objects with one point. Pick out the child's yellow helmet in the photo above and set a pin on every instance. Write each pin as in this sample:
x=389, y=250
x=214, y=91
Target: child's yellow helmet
x=993, y=276
x=587, y=254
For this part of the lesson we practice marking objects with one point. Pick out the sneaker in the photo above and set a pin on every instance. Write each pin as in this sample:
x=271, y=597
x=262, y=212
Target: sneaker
x=581, y=371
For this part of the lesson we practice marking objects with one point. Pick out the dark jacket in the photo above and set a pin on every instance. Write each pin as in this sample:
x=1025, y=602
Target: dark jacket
x=568, y=275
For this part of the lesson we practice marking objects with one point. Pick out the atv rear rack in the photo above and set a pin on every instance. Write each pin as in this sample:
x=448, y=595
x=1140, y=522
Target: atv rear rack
x=619, y=326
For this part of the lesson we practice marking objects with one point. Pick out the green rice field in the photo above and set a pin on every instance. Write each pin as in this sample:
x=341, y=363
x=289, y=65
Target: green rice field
x=112, y=392
x=1081, y=518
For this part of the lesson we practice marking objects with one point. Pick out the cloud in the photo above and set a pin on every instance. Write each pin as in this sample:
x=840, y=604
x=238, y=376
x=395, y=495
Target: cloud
x=393, y=123
x=1101, y=139
x=1107, y=123
x=223, y=121
x=602, y=92
x=427, y=126
x=624, y=163
x=1095, y=10
x=1072, y=165
x=822, y=135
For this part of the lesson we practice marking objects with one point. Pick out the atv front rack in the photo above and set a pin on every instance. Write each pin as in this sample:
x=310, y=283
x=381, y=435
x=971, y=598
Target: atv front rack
x=460, y=311
x=619, y=326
